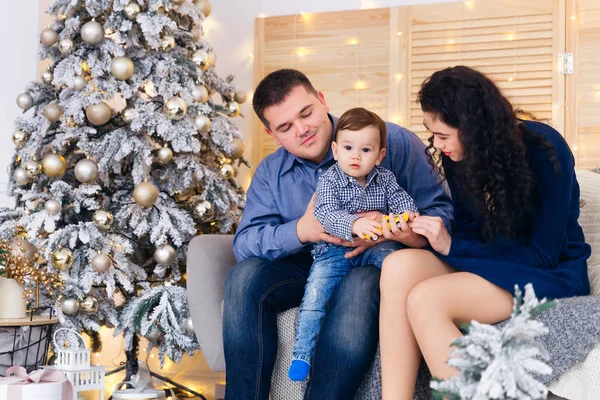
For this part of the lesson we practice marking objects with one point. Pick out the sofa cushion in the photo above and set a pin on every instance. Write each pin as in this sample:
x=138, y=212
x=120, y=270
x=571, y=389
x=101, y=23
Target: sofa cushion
x=589, y=219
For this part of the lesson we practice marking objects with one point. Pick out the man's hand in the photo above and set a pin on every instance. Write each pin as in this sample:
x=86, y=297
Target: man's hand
x=310, y=230
x=366, y=227
x=403, y=234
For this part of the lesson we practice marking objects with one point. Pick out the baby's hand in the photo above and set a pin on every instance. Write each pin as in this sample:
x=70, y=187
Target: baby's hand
x=366, y=227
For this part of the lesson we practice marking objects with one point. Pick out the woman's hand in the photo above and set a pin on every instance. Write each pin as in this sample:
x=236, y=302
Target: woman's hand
x=435, y=231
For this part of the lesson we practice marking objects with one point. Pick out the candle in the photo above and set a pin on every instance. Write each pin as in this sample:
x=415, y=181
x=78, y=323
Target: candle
x=12, y=303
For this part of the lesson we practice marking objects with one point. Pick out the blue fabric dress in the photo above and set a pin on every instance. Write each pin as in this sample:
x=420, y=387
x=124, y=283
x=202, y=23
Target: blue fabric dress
x=550, y=253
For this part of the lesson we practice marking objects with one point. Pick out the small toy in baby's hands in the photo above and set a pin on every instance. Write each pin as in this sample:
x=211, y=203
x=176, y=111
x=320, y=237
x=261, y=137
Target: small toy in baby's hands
x=386, y=219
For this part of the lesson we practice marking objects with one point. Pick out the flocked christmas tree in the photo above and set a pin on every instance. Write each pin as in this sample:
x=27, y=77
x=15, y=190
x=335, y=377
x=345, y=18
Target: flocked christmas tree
x=500, y=363
x=125, y=151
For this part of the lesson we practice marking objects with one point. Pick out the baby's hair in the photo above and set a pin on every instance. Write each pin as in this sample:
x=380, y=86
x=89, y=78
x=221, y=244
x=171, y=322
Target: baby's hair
x=358, y=118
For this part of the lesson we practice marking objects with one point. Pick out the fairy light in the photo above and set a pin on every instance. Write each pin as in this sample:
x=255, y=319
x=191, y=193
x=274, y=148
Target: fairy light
x=399, y=33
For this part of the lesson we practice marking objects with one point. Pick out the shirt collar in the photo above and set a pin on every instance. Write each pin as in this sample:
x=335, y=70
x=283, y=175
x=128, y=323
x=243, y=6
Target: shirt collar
x=291, y=159
x=344, y=180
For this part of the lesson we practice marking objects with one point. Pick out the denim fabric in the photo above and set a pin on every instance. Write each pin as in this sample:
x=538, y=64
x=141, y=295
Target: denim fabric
x=328, y=268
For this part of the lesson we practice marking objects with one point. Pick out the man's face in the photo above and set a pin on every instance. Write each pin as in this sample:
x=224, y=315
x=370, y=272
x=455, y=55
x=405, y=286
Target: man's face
x=300, y=124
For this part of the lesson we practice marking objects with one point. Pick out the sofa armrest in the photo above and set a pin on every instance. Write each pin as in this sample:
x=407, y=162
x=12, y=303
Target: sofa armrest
x=209, y=259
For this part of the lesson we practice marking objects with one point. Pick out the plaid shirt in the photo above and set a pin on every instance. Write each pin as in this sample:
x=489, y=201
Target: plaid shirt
x=339, y=197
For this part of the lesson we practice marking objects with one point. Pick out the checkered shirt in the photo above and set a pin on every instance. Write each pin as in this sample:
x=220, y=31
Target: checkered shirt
x=339, y=197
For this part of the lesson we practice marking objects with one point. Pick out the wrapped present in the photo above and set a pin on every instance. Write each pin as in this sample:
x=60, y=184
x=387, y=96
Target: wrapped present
x=142, y=387
x=38, y=385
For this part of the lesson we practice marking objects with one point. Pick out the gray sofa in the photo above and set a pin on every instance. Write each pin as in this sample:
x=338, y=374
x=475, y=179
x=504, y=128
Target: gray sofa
x=210, y=257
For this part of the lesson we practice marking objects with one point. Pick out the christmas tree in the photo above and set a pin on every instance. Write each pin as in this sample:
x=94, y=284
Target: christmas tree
x=498, y=363
x=125, y=150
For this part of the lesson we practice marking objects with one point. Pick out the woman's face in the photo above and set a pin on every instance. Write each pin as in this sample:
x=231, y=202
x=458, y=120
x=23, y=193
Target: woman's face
x=445, y=138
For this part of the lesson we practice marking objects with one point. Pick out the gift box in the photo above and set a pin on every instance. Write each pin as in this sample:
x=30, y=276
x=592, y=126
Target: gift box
x=38, y=385
x=130, y=394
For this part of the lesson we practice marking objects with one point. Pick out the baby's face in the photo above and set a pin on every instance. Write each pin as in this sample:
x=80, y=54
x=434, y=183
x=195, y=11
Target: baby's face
x=358, y=152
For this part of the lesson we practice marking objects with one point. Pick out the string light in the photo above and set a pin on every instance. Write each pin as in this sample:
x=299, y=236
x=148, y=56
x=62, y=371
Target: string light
x=451, y=41
x=352, y=41
x=398, y=77
x=399, y=34
x=573, y=18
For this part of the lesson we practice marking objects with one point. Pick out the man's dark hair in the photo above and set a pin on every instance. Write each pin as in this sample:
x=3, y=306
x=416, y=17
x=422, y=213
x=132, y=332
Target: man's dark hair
x=358, y=118
x=274, y=88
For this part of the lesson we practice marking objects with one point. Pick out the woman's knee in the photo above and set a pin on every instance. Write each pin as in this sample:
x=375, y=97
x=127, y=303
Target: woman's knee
x=425, y=300
x=401, y=271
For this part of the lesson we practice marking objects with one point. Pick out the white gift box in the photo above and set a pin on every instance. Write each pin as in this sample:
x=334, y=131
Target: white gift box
x=37, y=391
x=145, y=394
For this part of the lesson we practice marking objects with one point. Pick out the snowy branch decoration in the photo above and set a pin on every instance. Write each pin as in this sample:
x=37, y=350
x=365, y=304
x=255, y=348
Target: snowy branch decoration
x=500, y=363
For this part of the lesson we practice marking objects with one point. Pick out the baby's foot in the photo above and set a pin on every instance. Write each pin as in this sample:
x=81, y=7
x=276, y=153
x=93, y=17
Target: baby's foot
x=299, y=370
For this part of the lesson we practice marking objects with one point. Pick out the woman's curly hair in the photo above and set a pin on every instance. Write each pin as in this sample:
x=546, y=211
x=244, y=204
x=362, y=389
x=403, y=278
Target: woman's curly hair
x=494, y=173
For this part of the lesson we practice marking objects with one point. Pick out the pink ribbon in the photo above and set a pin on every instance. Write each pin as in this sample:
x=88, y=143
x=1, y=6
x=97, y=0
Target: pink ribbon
x=17, y=376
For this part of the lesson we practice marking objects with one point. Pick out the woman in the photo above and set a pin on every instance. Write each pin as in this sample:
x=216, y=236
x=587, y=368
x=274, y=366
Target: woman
x=516, y=204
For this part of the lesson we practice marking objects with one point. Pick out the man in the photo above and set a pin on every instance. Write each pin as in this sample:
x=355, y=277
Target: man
x=272, y=246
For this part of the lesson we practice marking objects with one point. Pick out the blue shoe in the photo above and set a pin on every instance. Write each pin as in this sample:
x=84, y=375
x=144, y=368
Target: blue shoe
x=299, y=370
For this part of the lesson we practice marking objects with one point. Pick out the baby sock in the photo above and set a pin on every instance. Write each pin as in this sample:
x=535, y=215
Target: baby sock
x=299, y=370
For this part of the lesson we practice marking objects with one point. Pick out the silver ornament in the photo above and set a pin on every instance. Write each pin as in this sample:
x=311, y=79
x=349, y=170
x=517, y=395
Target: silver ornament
x=86, y=171
x=25, y=101
x=47, y=76
x=204, y=6
x=19, y=138
x=237, y=148
x=54, y=165
x=52, y=207
x=189, y=326
x=200, y=94
x=101, y=263
x=202, y=123
x=79, y=83
x=21, y=247
x=196, y=33
x=240, y=97
x=20, y=176
x=165, y=255
x=92, y=32
x=167, y=43
x=175, y=108
x=53, y=112
x=145, y=194
x=227, y=171
x=127, y=115
x=204, y=211
x=98, y=114
x=89, y=305
x=48, y=37
x=200, y=58
x=62, y=258
x=132, y=10
x=69, y=306
x=154, y=334
x=66, y=46
x=103, y=219
x=33, y=168
x=233, y=109
x=122, y=68
x=165, y=155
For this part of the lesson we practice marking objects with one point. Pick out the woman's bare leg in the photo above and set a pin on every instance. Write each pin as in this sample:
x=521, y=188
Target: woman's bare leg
x=438, y=305
x=400, y=355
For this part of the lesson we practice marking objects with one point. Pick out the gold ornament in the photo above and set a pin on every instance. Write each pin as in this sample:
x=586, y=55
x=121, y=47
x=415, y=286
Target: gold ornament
x=89, y=304
x=212, y=58
x=122, y=68
x=92, y=33
x=196, y=33
x=204, y=7
x=48, y=37
x=98, y=114
x=165, y=155
x=240, y=97
x=53, y=112
x=237, y=148
x=200, y=58
x=47, y=76
x=132, y=10
x=204, y=211
x=227, y=171
x=202, y=123
x=127, y=115
x=19, y=138
x=86, y=171
x=101, y=263
x=103, y=219
x=79, y=83
x=54, y=165
x=178, y=2
x=69, y=306
x=32, y=168
x=165, y=255
x=145, y=194
x=233, y=109
x=20, y=176
x=189, y=326
x=21, y=247
x=25, y=101
x=52, y=207
x=62, y=259
x=175, y=108
x=200, y=94
x=66, y=46
x=167, y=43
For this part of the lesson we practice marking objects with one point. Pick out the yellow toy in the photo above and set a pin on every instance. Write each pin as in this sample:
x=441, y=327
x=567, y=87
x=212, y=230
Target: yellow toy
x=404, y=216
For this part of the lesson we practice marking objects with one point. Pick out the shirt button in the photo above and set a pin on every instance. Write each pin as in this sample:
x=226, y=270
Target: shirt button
x=320, y=170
